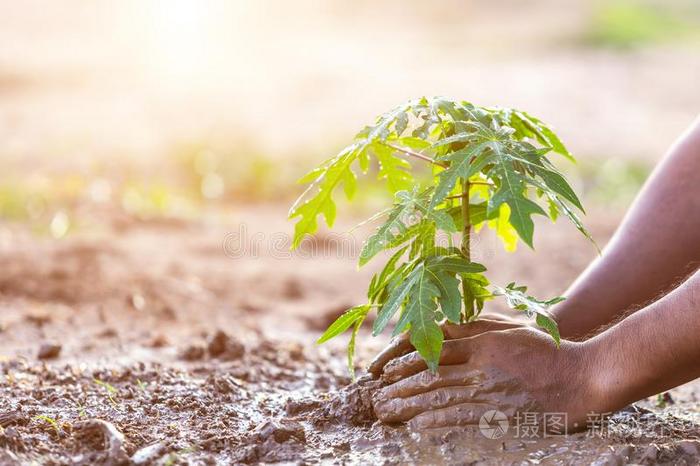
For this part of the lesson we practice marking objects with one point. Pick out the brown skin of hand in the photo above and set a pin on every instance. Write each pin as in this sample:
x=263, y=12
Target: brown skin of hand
x=400, y=345
x=516, y=370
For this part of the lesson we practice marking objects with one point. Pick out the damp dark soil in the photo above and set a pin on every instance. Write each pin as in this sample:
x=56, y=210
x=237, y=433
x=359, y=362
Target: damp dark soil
x=162, y=345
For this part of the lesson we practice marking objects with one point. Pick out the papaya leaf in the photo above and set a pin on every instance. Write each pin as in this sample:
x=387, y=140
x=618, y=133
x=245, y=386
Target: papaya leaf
x=553, y=181
x=420, y=312
x=427, y=338
x=545, y=135
x=392, y=169
x=562, y=207
x=460, y=137
x=343, y=322
x=553, y=210
x=349, y=183
x=394, y=226
x=424, y=242
x=559, y=185
x=351, y=345
x=401, y=123
x=455, y=264
x=477, y=215
x=477, y=283
x=504, y=229
x=381, y=280
x=518, y=299
x=545, y=321
x=321, y=203
x=512, y=192
x=414, y=143
x=412, y=233
x=460, y=163
x=313, y=175
x=450, y=297
x=443, y=220
x=395, y=300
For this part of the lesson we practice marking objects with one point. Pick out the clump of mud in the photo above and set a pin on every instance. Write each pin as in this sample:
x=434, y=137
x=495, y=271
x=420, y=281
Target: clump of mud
x=220, y=346
x=350, y=405
x=274, y=441
x=313, y=421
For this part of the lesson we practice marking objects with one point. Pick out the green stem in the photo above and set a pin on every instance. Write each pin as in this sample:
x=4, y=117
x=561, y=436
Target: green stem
x=417, y=155
x=466, y=250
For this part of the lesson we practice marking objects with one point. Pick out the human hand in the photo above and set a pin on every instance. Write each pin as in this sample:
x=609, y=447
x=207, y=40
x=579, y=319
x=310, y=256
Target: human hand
x=401, y=345
x=516, y=370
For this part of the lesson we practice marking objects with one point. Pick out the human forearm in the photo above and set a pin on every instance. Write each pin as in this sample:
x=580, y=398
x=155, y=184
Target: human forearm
x=651, y=351
x=520, y=369
x=652, y=250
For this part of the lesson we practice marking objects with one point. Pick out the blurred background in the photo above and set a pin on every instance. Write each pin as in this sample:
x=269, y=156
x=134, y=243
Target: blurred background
x=166, y=108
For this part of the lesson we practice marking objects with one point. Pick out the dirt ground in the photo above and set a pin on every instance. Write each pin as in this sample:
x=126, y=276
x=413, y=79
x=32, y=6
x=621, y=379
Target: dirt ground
x=166, y=342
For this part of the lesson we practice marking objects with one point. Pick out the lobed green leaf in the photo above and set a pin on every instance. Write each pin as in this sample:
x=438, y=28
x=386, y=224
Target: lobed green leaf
x=395, y=300
x=517, y=298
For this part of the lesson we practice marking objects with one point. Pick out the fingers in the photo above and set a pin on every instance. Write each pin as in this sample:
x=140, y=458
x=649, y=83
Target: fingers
x=394, y=410
x=457, y=415
x=405, y=366
x=401, y=345
x=397, y=347
x=447, y=376
x=471, y=329
x=453, y=352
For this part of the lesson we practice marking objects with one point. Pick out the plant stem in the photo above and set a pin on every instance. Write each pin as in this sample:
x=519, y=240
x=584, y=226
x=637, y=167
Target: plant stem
x=466, y=250
x=466, y=230
x=417, y=155
x=462, y=195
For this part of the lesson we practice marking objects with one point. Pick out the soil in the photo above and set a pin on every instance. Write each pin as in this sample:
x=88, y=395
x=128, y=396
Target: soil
x=158, y=344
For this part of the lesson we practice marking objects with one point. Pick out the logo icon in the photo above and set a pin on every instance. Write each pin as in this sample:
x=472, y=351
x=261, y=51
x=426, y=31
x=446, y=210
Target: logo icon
x=493, y=424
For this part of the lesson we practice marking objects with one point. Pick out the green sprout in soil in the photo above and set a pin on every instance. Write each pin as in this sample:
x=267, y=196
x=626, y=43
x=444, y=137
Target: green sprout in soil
x=82, y=413
x=142, y=385
x=50, y=421
x=490, y=167
x=110, y=389
x=176, y=456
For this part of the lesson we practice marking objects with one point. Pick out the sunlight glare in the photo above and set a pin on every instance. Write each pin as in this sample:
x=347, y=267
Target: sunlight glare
x=186, y=41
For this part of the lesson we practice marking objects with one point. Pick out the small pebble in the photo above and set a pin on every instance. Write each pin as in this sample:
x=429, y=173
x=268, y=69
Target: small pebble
x=49, y=351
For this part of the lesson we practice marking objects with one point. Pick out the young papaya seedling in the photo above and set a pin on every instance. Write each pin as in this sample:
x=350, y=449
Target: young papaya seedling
x=489, y=166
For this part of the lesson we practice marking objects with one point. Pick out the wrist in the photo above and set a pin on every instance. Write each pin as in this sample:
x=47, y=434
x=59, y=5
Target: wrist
x=582, y=393
x=608, y=381
x=572, y=324
x=580, y=315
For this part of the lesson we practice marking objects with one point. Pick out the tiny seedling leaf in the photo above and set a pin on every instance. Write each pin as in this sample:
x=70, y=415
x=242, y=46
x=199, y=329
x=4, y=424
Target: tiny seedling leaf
x=344, y=322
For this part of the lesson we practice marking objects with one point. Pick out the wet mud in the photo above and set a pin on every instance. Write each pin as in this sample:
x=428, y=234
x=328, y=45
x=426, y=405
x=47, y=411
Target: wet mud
x=155, y=348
